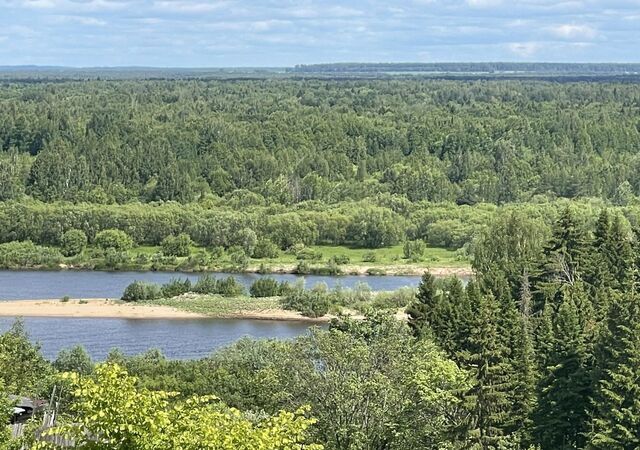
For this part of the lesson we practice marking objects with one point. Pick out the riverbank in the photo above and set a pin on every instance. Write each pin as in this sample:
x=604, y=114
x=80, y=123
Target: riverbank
x=116, y=309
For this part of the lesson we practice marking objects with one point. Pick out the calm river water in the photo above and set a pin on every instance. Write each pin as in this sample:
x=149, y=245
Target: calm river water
x=177, y=339
x=36, y=285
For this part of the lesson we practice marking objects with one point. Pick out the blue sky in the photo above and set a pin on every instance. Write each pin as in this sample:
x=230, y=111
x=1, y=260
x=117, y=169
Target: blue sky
x=225, y=33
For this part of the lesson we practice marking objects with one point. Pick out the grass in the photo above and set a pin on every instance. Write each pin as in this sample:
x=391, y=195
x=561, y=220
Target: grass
x=386, y=260
x=387, y=256
x=217, y=305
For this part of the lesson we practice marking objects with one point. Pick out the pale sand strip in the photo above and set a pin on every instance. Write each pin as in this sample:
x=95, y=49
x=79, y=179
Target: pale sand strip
x=93, y=308
x=105, y=308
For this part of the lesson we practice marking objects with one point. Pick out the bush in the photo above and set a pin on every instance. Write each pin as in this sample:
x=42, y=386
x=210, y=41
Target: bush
x=414, y=250
x=179, y=245
x=116, y=239
x=302, y=268
x=310, y=303
x=176, y=287
x=369, y=257
x=265, y=249
x=26, y=254
x=227, y=287
x=308, y=254
x=247, y=239
x=239, y=259
x=268, y=287
x=73, y=242
x=140, y=291
x=340, y=259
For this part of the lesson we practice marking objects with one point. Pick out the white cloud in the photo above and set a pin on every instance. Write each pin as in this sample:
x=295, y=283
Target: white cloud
x=524, y=49
x=73, y=5
x=574, y=31
x=185, y=6
x=82, y=20
x=484, y=3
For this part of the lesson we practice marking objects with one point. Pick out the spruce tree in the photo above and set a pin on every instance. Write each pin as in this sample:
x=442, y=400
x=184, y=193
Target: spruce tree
x=563, y=397
x=425, y=308
x=620, y=255
x=616, y=415
x=524, y=367
x=487, y=355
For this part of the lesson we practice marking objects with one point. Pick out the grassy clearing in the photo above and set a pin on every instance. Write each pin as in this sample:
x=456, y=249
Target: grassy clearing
x=215, y=305
x=388, y=260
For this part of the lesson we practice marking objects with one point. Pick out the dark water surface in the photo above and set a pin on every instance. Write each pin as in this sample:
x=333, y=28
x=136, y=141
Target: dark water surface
x=177, y=339
x=36, y=285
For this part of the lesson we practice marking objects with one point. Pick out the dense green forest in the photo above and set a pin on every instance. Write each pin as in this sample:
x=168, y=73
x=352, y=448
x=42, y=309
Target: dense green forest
x=535, y=185
x=540, y=351
x=365, y=163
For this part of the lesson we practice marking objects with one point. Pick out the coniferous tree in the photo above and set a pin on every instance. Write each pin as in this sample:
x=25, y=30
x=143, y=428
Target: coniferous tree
x=423, y=311
x=616, y=415
x=564, y=391
x=525, y=367
x=488, y=355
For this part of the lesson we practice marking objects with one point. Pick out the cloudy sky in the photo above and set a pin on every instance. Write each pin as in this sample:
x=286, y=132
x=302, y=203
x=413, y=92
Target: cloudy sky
x=215, y=33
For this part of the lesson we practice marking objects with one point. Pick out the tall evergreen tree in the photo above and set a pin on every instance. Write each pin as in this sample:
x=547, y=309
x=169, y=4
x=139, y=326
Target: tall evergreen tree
x=424, y=310
x=564, y=391
x=616, y=416
x=488, y=355
x=525, y=368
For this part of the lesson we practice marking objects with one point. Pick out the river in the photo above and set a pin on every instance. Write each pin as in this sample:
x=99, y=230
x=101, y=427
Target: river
x=177, y=339
x=37, y=285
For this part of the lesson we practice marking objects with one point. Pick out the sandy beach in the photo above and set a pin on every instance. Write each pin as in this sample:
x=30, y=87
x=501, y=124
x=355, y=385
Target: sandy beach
x=91, y=308
x=106, y=308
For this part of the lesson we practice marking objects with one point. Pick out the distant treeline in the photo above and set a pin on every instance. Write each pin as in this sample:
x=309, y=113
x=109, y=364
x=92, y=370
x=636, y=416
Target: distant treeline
x=474, y=67
x=290, y=141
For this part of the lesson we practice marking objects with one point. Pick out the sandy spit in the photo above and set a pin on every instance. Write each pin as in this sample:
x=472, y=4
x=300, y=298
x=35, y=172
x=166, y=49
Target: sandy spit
x=113, y=309
x=90, y=308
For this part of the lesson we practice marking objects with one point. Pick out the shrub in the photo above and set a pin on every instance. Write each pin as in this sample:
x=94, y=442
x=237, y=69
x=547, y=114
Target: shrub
x=116, y=239
x=140, y=291
x=27, y=254
x=309, y=254
x=268, y=287
x=414, y=250
x=247, y=239
x=369, y=257
x=302, y=268
x=179, y=245
x=205, y=285
x=73, y=242
x=265, y=249
x=176, y=287
x=310, y=303
x=340, y=259
x=227, y=287
x=239, y=259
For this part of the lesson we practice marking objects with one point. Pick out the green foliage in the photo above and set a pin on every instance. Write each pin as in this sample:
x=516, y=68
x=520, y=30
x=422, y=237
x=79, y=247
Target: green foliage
x=140, y=291
x=114, y=239
x=176, y=287
x=268, y=287
x=414, y=250
x=16, y=255
x=111, y=407
x=73, y=242
x=23, y=370
x=310, y=303
x=179, y=245
x=75, y=359
x=264, y=248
